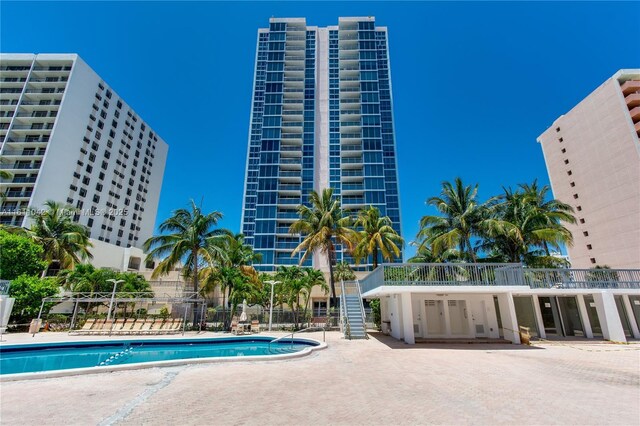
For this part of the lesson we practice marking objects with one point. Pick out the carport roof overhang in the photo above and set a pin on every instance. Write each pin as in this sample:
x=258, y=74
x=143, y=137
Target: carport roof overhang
x=387, y=290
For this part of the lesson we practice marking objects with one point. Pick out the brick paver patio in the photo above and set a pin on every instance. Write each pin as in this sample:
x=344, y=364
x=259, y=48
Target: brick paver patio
x=377, y=381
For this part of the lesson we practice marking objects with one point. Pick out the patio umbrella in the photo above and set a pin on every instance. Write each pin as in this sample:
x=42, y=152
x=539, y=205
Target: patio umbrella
x=243, y=315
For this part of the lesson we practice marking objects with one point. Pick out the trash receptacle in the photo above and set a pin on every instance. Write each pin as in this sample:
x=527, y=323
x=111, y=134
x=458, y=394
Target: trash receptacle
x=386, y=327
x=525, y=335
x=34, y=327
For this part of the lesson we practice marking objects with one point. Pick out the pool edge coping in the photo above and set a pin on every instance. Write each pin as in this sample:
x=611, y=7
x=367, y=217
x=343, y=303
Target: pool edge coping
x=168, y=363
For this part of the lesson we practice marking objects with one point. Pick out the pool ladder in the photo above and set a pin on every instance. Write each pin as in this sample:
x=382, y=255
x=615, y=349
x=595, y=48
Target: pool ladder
x=126, y=351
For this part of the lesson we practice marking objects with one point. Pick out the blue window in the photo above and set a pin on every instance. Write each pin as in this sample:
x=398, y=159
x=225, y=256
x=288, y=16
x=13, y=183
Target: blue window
x=266, y=212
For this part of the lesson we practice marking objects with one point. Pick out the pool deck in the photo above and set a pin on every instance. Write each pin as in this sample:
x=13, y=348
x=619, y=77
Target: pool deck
x=375, y=381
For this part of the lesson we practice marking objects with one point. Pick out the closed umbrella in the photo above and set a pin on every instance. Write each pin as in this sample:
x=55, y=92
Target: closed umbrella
x=243, y=315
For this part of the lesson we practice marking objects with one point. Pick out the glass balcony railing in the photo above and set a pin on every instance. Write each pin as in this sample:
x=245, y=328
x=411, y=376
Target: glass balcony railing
x=352, y=187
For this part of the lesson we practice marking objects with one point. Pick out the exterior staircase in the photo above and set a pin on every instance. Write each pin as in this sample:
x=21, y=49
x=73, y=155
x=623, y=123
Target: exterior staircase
x=352, y=311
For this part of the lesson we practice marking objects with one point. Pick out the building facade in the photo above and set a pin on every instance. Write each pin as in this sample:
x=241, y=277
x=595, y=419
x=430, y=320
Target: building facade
x=321, y=118
x=593, y=159
x=67, y=136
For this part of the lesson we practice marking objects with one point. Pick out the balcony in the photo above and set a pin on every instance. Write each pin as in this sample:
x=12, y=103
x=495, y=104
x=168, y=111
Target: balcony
x=351, y=160
x=352, y=173
x=633, y=100
x=635, y=114
x=351, y=147
x=18, y=194
x=288, y=215
x=630, y=86
x=283, y=230
x=30, y=179
x=289, y=188
x=346, y=187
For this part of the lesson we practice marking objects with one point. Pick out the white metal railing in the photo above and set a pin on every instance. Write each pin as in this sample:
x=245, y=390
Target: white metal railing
x=364, y=316
x=582, y=278
x=498, y=274
x=345, y=327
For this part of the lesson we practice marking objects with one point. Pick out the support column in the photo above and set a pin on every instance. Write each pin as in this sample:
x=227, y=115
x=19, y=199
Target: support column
x=608, y=316
x=395, y=316
x=584, y=316
x=508, y=317
x=536, y=309
x=630, y=317
x=407, y=318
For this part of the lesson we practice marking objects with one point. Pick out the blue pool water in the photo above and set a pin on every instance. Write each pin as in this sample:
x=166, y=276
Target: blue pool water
x=64, y=356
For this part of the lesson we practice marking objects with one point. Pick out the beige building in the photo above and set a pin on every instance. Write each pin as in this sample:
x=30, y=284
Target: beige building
x=593, y=159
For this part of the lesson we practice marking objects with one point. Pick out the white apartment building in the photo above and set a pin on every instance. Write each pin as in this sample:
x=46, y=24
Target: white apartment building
x=66, y=136
x=593, y=158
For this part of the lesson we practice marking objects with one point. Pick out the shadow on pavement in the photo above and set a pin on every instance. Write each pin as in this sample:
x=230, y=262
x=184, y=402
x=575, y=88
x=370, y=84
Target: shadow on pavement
x=455, y=344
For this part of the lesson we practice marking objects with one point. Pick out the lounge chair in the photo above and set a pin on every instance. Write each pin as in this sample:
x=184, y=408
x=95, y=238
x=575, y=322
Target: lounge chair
x=167, y=326
x=156, y=327
x=86, y=327
x=235, y=328
x=106, y=327
x=135, y=328
x=117, y=326
x=146, y=327
x=255, y=326
x=177, y=326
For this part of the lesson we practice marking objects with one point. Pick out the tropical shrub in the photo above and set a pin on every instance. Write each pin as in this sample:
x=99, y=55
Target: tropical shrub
x=19, y=255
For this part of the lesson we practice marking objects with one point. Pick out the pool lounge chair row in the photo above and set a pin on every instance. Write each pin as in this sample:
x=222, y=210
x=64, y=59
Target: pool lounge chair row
x=130, y=326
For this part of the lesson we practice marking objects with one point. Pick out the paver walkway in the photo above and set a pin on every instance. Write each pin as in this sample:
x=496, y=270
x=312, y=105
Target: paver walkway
x=376, y=381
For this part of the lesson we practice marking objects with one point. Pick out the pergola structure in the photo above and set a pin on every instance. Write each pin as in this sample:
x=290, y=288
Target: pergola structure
x=189, y=299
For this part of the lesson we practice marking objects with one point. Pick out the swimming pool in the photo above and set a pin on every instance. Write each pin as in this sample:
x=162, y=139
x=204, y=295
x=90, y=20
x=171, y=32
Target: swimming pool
x=108, y=355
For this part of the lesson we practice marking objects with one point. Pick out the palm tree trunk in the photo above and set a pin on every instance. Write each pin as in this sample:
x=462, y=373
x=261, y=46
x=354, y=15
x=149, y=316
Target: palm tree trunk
x=195, y=286
x=331, y=280
x=224, y=307
x=471, y=253
x=374, y=253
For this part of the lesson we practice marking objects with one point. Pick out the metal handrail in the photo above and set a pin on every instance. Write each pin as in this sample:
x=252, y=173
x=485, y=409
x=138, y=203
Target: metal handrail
x=324, y=332
x=344, y=318
x=364, y=317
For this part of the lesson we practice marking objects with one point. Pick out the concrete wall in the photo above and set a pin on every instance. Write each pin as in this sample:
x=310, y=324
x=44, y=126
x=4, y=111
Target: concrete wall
x=596, y=142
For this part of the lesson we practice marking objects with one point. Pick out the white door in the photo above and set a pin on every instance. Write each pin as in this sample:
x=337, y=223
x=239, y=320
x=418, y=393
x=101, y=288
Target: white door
x=435, y=317
x=458, y=317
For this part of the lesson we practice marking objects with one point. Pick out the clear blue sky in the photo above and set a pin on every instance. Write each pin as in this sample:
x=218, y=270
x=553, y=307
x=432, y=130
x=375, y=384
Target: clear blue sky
x=474, y=84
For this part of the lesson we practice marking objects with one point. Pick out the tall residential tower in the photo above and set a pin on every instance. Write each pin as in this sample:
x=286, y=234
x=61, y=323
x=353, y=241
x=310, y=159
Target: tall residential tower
x=593, y=159
x=321, y=117
x=67, y=136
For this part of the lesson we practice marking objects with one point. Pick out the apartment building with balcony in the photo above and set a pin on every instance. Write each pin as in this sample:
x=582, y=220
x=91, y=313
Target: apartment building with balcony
x=321, y=117
x=592, y=155
x=65, y=135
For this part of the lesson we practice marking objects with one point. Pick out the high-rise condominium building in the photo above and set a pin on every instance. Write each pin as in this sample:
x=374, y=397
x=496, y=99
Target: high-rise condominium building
x=321, y=117
x=593, y=159
x=68, y=137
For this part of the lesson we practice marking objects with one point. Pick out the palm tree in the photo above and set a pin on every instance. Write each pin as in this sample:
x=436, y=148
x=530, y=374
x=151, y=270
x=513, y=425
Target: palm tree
x=525, y=224
x=238, y=255
x=552, y=212
x=64, y=241
x=313, y=278
x=377, y=236
x=323, y=225
x=343, y=272
x=462, y=218
x=189, y=238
